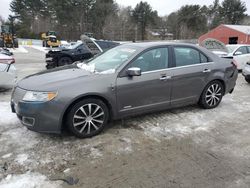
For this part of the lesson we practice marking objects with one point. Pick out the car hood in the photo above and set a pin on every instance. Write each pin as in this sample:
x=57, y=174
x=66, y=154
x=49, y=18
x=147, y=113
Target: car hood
x=51, y=79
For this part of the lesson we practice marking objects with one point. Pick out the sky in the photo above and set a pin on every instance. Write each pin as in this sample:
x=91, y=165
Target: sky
x=164, y=7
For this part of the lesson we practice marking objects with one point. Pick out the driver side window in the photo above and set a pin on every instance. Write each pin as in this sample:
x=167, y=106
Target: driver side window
x=152, y=60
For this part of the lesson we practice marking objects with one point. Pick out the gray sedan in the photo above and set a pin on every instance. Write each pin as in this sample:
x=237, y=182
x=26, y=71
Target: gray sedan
x=127, y=80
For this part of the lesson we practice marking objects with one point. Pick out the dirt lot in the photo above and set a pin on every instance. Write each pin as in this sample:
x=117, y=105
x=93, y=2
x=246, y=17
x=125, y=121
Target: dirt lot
x=186, y=147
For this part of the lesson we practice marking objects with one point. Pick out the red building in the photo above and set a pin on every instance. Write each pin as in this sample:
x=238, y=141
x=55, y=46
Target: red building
x=229, y=34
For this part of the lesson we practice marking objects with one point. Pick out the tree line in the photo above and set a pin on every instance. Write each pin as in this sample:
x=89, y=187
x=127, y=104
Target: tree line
x=105, y=19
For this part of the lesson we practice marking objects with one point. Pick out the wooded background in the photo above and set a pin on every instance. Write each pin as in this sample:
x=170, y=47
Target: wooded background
x=107, y=20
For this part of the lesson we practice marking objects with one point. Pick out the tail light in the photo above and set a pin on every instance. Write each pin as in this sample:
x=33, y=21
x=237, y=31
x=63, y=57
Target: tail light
x=7, y=61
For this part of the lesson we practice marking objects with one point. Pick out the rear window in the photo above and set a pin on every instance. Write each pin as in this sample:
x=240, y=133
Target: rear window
x=231, y=48
x=185, y=56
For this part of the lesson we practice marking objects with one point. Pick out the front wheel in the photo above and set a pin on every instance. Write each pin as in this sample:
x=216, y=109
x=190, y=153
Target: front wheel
x=212, y=95
x=87, y=118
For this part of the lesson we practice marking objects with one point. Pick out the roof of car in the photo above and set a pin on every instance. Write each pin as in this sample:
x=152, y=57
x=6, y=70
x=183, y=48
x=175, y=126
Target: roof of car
x=160, y=43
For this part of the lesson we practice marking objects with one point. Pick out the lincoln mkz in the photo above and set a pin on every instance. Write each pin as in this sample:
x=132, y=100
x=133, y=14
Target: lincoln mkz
x=127, y=80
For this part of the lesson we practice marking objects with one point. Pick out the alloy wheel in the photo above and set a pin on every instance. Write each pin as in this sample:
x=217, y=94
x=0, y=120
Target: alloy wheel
x=214, y=94
x=88, y=118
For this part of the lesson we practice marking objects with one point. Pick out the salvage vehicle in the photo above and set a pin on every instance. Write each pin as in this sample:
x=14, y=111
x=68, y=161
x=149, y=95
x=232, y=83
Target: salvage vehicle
x=8, y=75
x=246, y=72
x=124, y=81
x=83, y=50
x=66, y=56
x=240, y=53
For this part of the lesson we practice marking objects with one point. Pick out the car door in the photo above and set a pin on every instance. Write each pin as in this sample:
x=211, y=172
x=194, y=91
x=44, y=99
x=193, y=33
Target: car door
x=241, y=56
x=149, y=91
x=190, y=74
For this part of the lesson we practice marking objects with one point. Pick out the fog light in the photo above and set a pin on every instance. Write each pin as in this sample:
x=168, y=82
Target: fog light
x=28, y=121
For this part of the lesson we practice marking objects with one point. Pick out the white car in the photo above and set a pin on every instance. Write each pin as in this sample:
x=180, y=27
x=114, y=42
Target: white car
x=246, y=72
x=8, y=75
x=240, y=53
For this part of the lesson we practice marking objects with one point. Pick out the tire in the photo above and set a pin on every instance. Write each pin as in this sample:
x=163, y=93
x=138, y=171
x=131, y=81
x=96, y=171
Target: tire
x=9, y=45
x=212, y=95
x=85, y=123
x=1, y=43
x=46, y=44
x=64, y=61
x=247, y=79
x=16, y=43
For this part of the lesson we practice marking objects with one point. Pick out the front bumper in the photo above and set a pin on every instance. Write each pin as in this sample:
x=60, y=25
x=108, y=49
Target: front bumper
x=38, y=117
x=49, y=59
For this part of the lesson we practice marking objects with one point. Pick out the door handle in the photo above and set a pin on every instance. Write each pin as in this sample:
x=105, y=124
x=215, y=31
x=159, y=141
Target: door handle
x=165, y=78
x=207, y=70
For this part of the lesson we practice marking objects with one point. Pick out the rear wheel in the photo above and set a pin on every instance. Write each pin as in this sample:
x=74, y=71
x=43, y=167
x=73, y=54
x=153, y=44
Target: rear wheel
x=47, y=44
x=65, y=61
x=247, y=79
x=87, y=118
x=9, y=45
x=212, y=95
x=16, y=43
x=1, y=43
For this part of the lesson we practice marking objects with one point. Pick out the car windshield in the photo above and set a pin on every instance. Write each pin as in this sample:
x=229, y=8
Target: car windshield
x=108, y=62
x=231, y=48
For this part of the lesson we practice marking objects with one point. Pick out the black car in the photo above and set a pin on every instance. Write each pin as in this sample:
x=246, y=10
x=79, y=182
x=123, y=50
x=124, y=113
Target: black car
x=78, y=52
x=60, y=57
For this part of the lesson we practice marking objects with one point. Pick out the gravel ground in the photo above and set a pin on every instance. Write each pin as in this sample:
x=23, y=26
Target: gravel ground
x=186, y=147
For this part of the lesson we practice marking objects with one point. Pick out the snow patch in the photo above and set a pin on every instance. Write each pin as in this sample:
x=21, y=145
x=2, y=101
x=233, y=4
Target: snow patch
x=22, y=158
x=180, y=124
x=40, y=48
x=21, y=49
x=28, y=180
x=6, y=116
x=95, y=153
x=7, y=156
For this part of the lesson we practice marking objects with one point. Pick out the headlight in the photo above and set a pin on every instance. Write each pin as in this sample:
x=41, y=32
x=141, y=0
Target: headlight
x=33, y=96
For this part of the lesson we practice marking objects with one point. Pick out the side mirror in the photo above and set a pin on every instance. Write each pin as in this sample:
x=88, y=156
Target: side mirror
x=134, y=71
x=238, y=53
